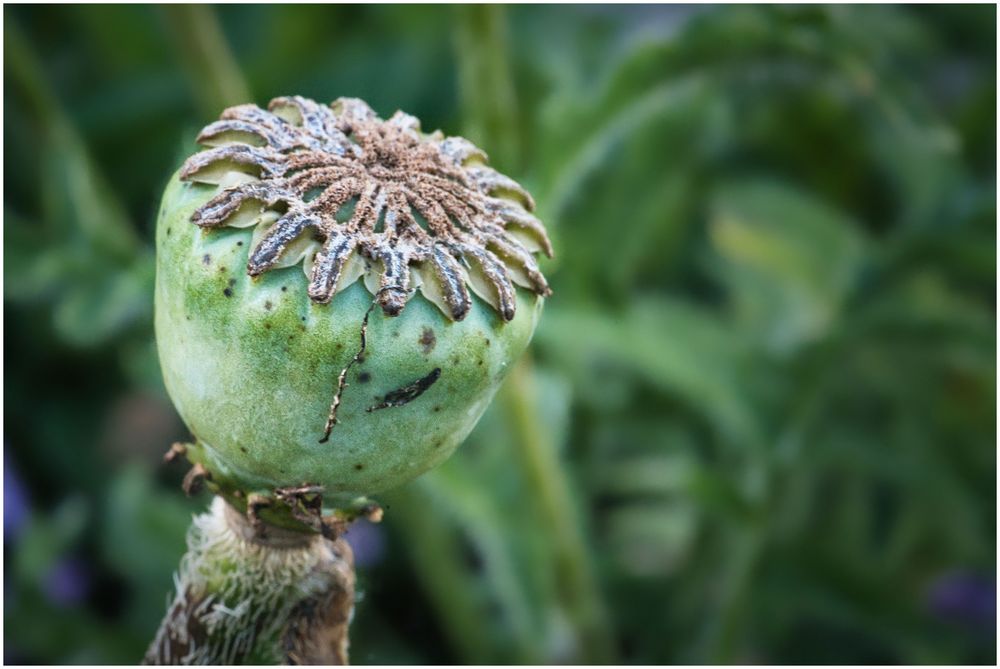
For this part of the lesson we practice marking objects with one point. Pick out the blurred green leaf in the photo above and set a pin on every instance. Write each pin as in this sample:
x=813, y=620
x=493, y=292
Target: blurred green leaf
x=790, y=261
x=95, y=311
x=676, y=347
x=143, y=540
x=48, y=538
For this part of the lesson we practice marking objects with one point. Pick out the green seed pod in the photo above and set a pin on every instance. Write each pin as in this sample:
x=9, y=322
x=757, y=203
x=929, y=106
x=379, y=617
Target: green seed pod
x=276, y=244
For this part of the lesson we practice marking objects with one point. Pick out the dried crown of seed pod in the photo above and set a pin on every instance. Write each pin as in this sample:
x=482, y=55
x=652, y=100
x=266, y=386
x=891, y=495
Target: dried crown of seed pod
x=419, y=201
x=251, y=363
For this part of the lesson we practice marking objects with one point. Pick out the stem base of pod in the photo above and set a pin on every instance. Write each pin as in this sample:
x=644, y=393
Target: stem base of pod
x=299, y=508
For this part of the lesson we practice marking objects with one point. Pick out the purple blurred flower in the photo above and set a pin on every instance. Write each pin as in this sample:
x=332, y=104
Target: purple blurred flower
x=367, y=542
x=964, y=597
x=15, y=502
x=67, y=583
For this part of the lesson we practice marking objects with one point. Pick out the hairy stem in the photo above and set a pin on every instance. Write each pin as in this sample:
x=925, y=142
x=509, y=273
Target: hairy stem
x=247, y=593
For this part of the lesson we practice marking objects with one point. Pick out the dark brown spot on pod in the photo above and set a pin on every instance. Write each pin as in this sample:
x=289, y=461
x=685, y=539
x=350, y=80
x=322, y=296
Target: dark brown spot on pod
x=427, y=340
x=228, y=292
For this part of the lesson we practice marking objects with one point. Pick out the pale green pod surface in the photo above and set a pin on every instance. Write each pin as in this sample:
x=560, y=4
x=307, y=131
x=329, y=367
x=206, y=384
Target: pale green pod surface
x=252, y=357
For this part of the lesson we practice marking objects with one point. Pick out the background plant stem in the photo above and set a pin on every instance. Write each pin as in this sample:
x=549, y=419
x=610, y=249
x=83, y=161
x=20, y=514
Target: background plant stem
x=486, y=90
x=489, y=106
x=211, y=65
x=538, y=459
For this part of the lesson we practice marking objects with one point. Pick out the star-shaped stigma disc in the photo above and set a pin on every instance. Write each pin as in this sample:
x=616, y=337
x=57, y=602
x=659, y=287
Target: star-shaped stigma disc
x=351, y=195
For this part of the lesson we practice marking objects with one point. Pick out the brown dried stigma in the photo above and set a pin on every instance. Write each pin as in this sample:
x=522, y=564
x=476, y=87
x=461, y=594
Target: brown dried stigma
x=352, y=195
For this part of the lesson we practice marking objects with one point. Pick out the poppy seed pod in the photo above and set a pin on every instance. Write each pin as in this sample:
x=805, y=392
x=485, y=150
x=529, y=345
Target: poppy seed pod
x=338, y=297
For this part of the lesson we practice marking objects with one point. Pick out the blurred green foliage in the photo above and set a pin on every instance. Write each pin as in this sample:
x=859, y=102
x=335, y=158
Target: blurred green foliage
x=759, y=421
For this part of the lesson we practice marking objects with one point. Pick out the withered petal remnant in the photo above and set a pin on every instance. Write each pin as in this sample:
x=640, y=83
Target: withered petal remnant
x=350, y=194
